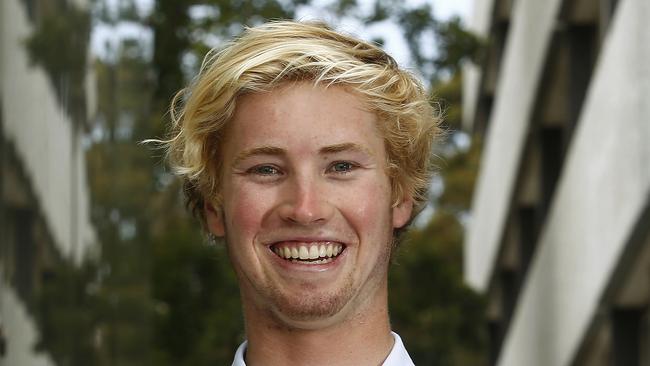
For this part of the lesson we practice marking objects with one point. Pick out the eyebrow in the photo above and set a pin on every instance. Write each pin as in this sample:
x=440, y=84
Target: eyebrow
x=262, y=150
x=346, y=146
x=276, y=151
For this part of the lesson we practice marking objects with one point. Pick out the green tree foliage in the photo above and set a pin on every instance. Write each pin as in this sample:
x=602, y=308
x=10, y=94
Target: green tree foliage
x=432, y=310
x=444, y=321
x=431, y=307
x=121, y=178
x=455, y=46
x=198, y=317
x=66, y=289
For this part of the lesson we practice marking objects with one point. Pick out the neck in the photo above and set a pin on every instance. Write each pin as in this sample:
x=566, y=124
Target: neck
x=362, y=338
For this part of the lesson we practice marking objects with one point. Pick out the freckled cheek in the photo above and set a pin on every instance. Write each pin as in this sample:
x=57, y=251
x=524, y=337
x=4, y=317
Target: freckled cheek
x=246, y=208
x=366, y=206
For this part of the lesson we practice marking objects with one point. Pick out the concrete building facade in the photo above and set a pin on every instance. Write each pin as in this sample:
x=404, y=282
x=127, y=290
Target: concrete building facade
x=44, y=201
x=559, y=238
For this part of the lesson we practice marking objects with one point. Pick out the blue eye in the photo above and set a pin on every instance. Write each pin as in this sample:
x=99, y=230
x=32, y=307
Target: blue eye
x=264, y=170
x=342, y=167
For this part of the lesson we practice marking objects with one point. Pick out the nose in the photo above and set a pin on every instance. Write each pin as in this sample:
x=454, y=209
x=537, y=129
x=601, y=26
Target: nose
x=306, y=202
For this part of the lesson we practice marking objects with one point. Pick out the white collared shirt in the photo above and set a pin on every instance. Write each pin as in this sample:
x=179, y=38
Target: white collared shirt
x=397, y=356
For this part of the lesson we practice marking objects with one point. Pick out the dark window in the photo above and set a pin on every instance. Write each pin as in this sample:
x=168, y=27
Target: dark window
x=582, y=55
x=24, y=249
x=495, y=332
x=510, y=291
x=527, y=236
x=483, y=114
x=552, y=154
x=627, y=326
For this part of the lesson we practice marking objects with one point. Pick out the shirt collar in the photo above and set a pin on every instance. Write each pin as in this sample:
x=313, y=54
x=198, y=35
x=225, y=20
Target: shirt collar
x=397, y=356
x=239, y=355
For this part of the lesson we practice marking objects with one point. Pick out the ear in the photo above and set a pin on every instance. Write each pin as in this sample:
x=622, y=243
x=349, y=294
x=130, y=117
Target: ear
x=214, y=219
x=402, y=212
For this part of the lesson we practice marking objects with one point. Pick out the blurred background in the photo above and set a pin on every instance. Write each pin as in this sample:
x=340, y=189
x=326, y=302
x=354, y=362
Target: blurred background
x=534, y=250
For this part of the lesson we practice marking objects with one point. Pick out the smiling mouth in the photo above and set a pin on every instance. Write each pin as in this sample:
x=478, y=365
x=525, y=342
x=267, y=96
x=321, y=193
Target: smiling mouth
x=308, y=253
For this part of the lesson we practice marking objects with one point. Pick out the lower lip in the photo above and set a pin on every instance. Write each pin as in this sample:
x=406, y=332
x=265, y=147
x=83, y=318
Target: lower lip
x=308, y=267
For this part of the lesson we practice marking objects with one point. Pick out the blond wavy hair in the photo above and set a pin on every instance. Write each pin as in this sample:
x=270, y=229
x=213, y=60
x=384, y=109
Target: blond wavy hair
x=266, y=56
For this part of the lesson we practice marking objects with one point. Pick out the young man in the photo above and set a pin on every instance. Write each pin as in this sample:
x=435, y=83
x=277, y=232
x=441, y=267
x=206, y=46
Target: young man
x=308, y=151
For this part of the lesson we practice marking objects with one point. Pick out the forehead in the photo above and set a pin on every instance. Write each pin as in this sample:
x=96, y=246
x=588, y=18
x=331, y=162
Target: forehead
x=303, y=116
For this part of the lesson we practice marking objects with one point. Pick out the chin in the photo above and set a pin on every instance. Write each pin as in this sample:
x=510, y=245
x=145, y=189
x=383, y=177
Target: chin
x=311, y=311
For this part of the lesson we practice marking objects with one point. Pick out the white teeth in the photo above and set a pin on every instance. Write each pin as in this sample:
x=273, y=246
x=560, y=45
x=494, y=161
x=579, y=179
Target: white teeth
x=304, y=253
x=322, y=253
x=313, y=252
x=324, y=260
